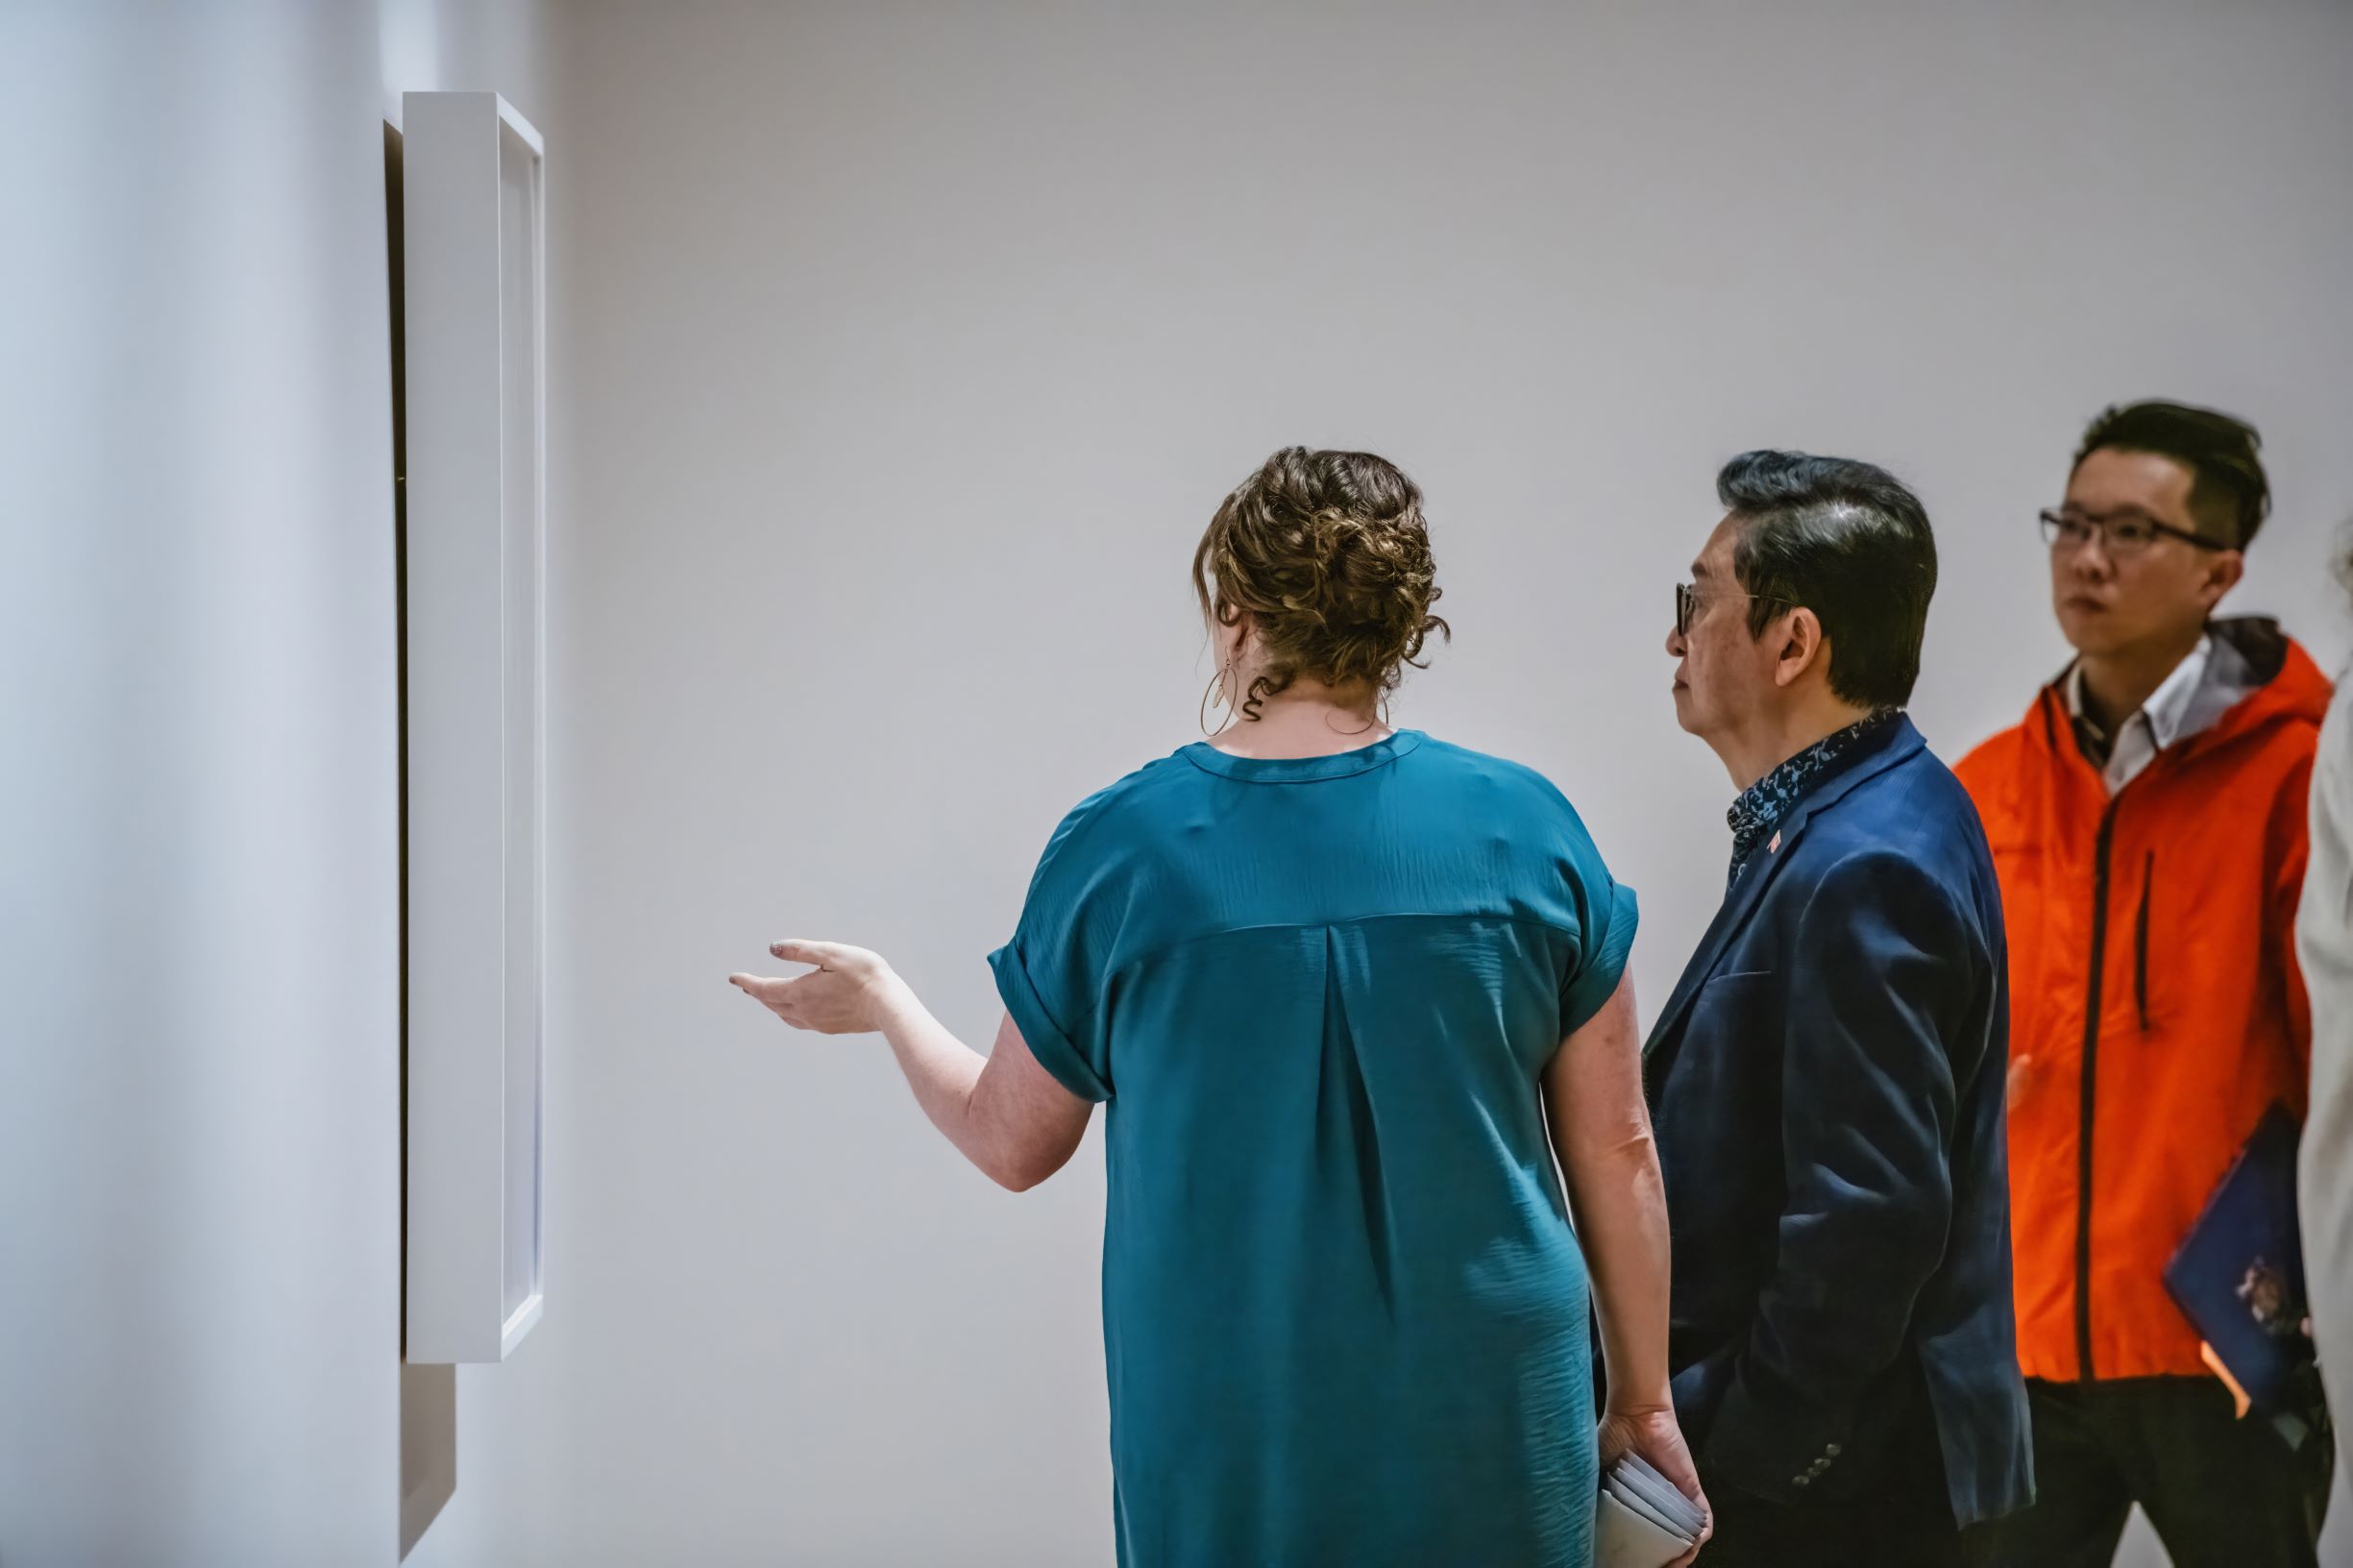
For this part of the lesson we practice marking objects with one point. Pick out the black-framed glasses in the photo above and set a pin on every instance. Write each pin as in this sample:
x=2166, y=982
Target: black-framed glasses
x=2120, y=533
x=1689, y=600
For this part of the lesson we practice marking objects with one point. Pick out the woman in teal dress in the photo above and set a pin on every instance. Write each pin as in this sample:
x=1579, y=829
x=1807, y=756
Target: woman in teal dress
x=1351, y=996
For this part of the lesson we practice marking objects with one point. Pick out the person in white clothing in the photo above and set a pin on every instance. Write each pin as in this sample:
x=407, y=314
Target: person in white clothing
x=2324, y=1177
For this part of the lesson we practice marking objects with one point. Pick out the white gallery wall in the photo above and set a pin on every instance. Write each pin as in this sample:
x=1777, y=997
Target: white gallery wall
x=906, y=350
x=900, y=353
x=198, y=1062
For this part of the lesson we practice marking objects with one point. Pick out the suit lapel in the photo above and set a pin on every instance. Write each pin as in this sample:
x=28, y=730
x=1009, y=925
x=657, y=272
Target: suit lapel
x=1741, y=902
x=1731, y=917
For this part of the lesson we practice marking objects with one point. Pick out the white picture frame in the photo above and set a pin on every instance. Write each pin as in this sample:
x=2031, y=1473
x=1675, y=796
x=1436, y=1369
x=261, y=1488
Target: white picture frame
x=474, y=263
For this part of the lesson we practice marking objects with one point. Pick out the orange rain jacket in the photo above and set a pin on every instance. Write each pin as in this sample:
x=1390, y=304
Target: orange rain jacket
x=2156, y=1008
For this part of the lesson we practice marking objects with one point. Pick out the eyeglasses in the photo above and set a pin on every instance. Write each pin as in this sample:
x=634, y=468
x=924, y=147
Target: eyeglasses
x=1689, y=600
x=2122, y=534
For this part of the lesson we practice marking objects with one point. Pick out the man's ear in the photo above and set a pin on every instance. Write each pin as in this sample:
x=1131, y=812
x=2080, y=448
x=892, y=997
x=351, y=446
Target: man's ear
x=2224, y=572
x=1803, y=647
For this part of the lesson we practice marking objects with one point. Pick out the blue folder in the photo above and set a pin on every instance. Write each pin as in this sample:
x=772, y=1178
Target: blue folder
x=2238, y=1275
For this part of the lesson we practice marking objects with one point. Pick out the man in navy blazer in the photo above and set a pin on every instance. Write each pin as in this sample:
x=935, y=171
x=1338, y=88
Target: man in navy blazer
x=1826, y=1081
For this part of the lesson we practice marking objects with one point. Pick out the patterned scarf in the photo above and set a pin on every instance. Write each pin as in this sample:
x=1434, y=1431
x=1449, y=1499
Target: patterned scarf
x=1765, y=804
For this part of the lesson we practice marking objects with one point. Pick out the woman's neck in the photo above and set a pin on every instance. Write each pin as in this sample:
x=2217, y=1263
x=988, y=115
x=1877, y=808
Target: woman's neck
x=1307, y=718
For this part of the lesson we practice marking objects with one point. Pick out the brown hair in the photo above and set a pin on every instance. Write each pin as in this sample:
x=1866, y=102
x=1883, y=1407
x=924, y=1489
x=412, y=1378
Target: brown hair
x=1327, y=553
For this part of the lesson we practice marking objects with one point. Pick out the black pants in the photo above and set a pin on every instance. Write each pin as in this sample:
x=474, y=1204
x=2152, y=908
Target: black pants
x=1902, y=1530
x=2221, y=1492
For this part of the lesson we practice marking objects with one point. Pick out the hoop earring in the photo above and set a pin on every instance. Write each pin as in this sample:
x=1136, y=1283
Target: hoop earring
x=1217, y=684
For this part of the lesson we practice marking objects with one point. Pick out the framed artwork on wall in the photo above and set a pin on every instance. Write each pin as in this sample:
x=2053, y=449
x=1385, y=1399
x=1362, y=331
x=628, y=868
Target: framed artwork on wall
x=474, y=275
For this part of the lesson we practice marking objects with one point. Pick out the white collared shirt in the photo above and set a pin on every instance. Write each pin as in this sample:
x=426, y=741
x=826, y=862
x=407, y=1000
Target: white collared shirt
x=2158, y=722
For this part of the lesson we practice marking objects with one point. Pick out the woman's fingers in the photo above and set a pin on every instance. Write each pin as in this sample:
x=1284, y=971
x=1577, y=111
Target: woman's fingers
x=770, y=992
x=759, y=988
x=844, y=992
x=1707, y=1526
x=1655, y=1435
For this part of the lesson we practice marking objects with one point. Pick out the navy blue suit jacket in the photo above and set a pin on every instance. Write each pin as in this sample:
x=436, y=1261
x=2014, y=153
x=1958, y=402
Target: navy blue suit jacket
x=1827, y=1086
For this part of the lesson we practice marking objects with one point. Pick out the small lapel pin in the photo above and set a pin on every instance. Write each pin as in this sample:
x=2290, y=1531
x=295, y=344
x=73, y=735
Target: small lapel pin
x=1775, y=847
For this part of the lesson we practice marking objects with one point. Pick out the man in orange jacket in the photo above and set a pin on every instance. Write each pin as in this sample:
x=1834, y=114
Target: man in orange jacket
x=2147, y=823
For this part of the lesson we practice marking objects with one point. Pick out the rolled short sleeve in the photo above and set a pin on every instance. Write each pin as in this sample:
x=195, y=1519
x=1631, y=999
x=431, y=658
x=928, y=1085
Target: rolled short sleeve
x=1042, y=1029
x=1608, y=936
x=1050, y=975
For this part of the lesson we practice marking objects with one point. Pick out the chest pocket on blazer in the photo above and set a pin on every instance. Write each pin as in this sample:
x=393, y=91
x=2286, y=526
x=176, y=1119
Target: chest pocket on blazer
x=1725, y=1078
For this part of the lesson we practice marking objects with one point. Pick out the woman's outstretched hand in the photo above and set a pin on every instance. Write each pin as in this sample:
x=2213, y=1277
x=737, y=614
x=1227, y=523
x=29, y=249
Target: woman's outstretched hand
x=1006, y=1113
x=1654, y=1434
x=850, y=991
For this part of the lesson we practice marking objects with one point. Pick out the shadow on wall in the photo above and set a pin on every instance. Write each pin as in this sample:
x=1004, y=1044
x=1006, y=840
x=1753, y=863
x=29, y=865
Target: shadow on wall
x=429, y=1448
x=428, y=1394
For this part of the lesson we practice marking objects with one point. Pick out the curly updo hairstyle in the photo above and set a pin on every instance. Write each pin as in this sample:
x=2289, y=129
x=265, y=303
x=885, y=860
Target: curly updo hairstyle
x=1328, y=555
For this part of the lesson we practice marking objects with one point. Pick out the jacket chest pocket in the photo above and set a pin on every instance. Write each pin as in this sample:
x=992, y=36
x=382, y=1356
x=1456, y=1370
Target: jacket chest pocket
x=1718, y=1116
x=1728, y=1065
x=2140, y=939
x=2133, y=957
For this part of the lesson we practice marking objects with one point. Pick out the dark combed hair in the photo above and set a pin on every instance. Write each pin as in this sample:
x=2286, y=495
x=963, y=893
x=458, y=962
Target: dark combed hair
x=2228, y=493
x=1327, y=555
x=1846, y=541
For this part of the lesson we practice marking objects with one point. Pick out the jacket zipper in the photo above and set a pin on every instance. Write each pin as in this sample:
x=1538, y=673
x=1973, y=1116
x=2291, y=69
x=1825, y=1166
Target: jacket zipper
x=2089, y=1089
x=2139, y=943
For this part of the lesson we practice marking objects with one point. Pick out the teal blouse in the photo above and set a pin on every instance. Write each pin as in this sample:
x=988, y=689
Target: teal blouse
x=1345, y=1319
